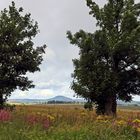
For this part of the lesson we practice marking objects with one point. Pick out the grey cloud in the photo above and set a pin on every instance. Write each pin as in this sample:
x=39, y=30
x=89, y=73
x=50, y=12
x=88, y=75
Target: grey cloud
x=55, y=18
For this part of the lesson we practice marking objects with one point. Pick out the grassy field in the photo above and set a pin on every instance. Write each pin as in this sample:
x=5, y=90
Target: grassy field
x=67, y=122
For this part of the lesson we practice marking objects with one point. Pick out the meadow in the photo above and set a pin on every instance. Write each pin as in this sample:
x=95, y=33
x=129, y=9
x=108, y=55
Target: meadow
x=67, y=122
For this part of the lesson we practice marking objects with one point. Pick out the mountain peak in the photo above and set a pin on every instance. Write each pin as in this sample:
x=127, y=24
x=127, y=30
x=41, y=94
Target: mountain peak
x=61, y=98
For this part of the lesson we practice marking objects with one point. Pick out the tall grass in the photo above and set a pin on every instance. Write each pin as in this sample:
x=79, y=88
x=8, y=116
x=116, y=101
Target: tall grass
x=65, y=122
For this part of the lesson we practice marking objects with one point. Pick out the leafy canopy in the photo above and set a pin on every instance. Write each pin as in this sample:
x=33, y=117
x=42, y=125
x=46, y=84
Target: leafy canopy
x=109, y=62
x=17, y=52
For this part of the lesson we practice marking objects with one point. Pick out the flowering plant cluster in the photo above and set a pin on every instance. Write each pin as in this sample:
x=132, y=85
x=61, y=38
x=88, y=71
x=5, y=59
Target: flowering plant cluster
x=44, y=120
x=5, y=116
x=133, y=123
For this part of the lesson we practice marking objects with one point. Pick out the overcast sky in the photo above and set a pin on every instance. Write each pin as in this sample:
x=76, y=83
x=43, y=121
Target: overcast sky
x=55, y=19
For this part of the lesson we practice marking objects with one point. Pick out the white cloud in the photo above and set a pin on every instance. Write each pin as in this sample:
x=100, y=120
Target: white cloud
x=42, y=93
x=33, y=94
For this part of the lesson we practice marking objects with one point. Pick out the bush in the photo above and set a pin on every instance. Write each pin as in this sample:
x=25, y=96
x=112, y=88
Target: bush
x=9, y=107
x=88, y=106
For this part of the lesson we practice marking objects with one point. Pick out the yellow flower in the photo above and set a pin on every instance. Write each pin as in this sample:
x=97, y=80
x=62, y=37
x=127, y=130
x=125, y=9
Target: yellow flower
x=136, y=121
x=51, y=117
x=122, y=122
x=83, y=114
x=100, y=117
x=105, y=121
x=138, y=129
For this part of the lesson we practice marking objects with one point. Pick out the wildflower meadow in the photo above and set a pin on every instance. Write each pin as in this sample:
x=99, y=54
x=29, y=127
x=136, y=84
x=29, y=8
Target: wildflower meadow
x=67, y=122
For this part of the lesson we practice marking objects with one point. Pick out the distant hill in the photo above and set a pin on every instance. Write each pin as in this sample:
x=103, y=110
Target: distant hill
x=37, y=101
x=27, y=101
x=61, y=98
x=64, y=99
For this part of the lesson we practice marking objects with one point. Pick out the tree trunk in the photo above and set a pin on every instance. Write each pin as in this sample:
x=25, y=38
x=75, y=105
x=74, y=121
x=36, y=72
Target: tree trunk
x=114, y=106
x=1, y=101
x=110, y=106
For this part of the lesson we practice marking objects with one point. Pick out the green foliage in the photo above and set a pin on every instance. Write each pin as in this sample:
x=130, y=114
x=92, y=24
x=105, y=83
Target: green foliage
x=17, y=52
x=9, y=107
x=109, y=63
x=88, y=105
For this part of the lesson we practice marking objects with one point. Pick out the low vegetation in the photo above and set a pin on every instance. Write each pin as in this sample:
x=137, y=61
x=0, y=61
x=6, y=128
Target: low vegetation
x=67, y=122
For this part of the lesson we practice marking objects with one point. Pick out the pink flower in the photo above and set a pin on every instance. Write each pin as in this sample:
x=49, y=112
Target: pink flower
x=46, y=124
x=38, y=119
x=5, y=116
x=32, y=119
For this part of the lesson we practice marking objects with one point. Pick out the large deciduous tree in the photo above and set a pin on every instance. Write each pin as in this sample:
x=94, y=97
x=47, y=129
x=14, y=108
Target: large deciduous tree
x=17, y=52
x=109, y=65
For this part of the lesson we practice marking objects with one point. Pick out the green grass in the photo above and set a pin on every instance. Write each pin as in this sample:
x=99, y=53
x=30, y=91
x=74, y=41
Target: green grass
x=65, y=132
